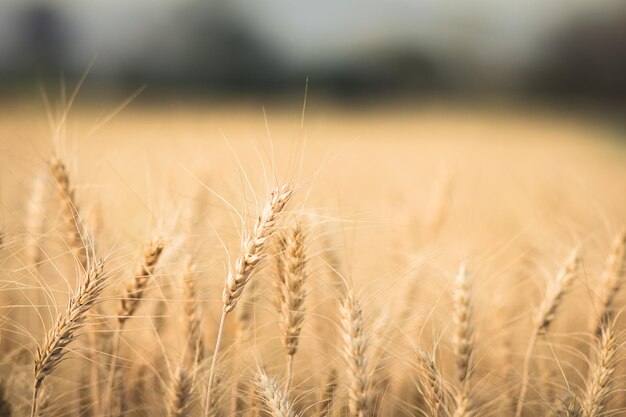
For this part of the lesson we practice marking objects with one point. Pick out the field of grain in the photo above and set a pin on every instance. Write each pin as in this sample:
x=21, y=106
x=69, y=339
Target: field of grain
x=236, y=261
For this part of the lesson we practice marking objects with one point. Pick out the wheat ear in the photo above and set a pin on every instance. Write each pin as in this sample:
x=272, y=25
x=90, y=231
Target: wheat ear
x=274, y=397
x=191, y=308
x=247, y=262
x=464, y=340
x=179, y=396
x=70, y=209
x=54, y=347
x=136, y=288
x=612, y=281
x=291, y=277
x=601, y=375
x=356, y=355
x=545, y=314
x=433, y=389
x=5, y=406
x=328, y=395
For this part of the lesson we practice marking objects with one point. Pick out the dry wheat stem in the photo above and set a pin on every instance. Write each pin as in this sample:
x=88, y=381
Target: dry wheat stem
x=356, y=355
x=274, y=397
x=51, y=352
x=545, y=315
x=249, y=258
x=600, y=377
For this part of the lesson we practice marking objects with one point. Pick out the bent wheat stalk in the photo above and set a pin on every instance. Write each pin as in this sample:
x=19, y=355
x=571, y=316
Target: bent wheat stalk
x=54, y=348
x=247, y=262
x=544, y=316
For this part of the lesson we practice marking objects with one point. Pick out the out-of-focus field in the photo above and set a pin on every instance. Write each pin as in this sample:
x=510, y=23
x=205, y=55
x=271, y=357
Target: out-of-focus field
x=397, y=197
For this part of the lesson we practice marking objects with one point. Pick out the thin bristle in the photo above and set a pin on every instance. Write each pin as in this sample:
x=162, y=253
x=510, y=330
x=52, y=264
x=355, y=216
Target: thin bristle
x=601, y=375
x=356, y=355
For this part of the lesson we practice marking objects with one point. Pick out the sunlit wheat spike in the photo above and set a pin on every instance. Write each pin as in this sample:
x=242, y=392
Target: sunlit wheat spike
x=70, y=210
x=54, y=347
x=556, y=290
x=600, y=379
x=612, y=282
x=136, y=288
x=545, y=314
x=356, y=355
x=179, y=396
x=292, y=277
x=274, y=398
x=252, y=247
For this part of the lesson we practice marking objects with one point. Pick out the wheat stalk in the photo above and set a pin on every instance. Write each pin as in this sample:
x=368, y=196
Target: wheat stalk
x=179, y=394
x=544, y=315
x=612, y=281
x=274, y=397
x=600, y=377
x=54, y=347
x=247, y=262
x=356, y=355
x=291, y=277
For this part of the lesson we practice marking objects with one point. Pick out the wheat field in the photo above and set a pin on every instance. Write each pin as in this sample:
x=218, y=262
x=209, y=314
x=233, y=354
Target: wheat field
x=237, y=261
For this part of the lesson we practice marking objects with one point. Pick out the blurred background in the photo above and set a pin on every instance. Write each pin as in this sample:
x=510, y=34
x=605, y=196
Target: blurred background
x=353, y=51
